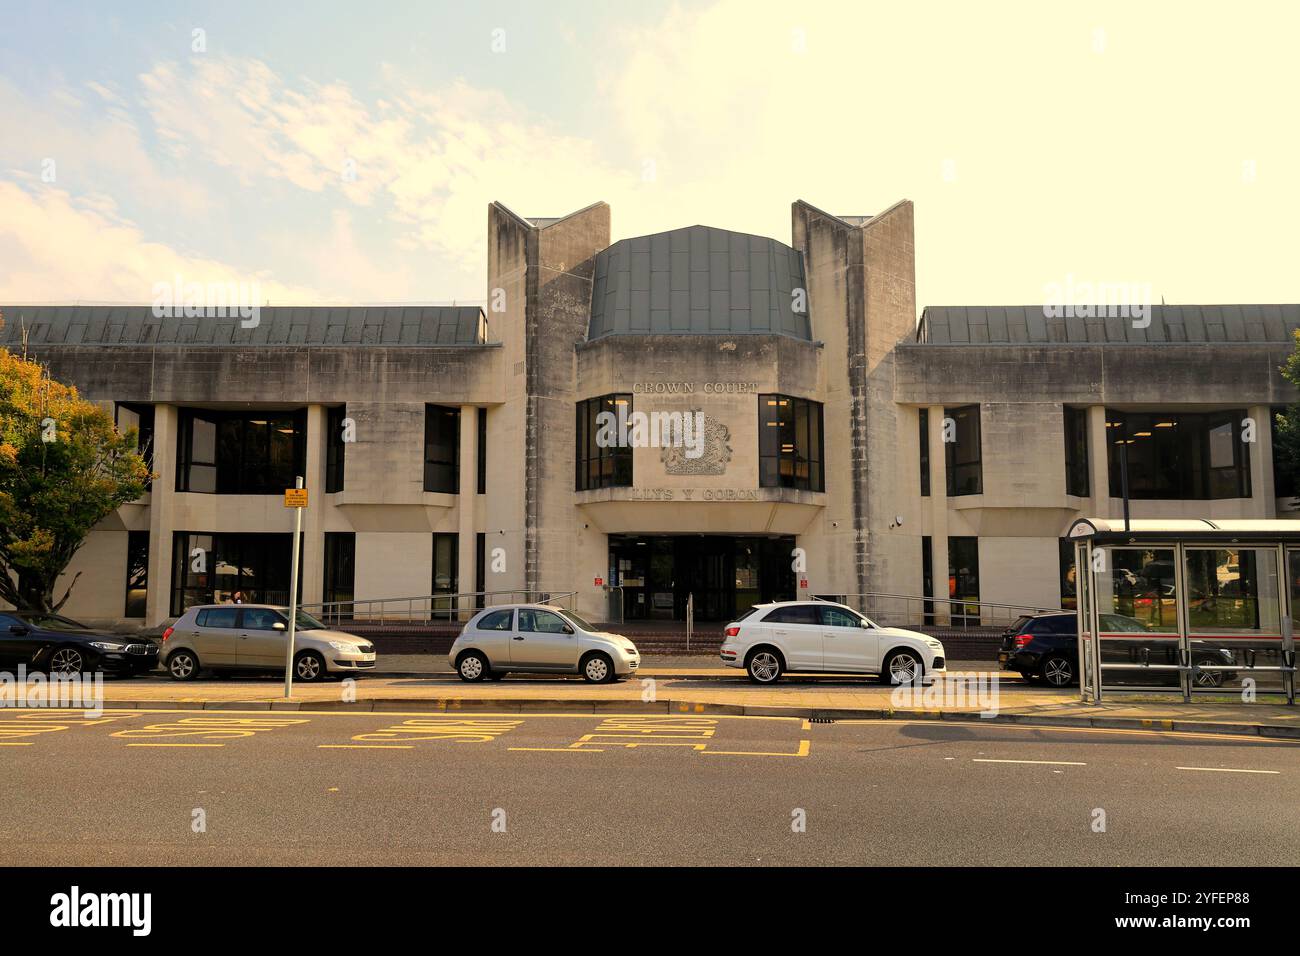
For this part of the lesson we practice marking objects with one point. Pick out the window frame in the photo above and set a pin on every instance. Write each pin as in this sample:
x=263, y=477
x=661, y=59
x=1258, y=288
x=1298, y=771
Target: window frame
x=432, y=412
x=952, y=450
x=595, y=467
x=781, y=461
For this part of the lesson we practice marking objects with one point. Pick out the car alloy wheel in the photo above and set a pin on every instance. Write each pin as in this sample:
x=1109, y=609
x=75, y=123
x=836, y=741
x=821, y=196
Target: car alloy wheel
x=182, y=665
x=764, y=667
x=1057, y=671
x=308, y=667
x=66, y=660
x=1208, y=678
x=597, y=669
x=904, y=668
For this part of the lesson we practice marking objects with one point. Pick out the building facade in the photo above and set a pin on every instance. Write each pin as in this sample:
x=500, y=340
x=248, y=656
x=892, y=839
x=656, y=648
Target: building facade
x=807, y=436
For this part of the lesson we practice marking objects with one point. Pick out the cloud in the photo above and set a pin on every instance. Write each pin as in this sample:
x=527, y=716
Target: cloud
x=57, y=248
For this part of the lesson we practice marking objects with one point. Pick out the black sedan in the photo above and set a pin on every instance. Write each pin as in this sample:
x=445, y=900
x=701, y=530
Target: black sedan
x=57, y=645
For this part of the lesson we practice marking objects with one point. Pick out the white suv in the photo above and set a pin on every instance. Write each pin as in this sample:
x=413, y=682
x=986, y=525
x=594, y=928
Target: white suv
x=825, y=637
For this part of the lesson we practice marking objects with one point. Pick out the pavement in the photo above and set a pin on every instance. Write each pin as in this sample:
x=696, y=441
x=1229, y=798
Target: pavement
x=173, y=788
x=672, y=686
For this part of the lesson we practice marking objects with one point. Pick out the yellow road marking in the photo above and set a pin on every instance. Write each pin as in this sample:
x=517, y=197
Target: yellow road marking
x=806, y=725
x=804, y=748
x=414, y=712
x=175, y=745
x=10, y=743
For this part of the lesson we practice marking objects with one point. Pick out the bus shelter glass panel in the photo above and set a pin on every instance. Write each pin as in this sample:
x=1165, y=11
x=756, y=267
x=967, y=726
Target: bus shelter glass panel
x=1137, y=616
x=1234, y=617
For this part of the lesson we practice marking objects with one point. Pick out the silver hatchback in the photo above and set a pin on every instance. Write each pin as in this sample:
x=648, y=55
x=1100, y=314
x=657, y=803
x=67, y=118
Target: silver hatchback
x=539, y=639
x=253, y=637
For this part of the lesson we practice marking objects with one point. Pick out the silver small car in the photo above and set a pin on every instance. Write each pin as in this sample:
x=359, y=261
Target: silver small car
x=539, y=639
x=252, y=637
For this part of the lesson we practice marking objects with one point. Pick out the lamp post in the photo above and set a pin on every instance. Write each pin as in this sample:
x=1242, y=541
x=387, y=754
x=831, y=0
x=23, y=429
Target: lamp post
x=296, y=499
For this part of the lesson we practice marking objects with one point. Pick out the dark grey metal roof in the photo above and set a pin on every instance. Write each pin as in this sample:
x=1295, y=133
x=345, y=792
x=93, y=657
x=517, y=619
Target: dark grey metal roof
x=1169, y=324
x=277, y=325
x=697, y=281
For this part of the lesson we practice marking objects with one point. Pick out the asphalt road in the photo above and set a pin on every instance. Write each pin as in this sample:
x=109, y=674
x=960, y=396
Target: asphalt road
x=331, y=788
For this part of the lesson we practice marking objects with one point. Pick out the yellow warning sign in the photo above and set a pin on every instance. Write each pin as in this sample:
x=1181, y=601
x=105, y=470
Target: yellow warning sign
x=295, y=497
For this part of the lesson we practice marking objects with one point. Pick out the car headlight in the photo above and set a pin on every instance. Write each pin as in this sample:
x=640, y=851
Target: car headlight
x=343, y=648
x=106, y=646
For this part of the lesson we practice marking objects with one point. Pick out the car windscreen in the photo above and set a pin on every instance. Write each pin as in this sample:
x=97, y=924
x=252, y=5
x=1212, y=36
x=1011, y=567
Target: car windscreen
x=53, y=622
x=577, y=622
x=303, y=621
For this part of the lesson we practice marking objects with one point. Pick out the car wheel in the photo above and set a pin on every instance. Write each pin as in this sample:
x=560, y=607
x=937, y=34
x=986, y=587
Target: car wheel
x=308, y=667
x=764, y=665
x=1058, y=671
x=1209, y=678
x=472, y=667
x=183, y=665
x=67, y=660
x=598, y=669
x=902, y=667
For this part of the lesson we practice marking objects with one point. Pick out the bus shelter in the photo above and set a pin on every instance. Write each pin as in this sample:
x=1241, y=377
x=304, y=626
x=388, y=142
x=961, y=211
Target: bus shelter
x=1190, y=606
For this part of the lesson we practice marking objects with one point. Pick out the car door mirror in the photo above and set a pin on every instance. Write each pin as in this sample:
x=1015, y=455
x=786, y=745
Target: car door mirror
x=866, y=624
x=568, y=629
x=279, y=626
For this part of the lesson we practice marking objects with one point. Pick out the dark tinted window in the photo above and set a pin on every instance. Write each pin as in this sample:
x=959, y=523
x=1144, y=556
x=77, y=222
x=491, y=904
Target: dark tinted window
x=603, y=459
x=793, y=614
x=1178, y=455
x=442, y=449
x=260, y=618
x=790, y=443
x=496, y=621
x=961, y=436
x=217, y=617
x=1056, y=624
x=838, y=617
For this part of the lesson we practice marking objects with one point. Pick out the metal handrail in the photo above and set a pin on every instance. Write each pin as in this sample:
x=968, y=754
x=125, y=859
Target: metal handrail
x=958, y=611
x=431, y=607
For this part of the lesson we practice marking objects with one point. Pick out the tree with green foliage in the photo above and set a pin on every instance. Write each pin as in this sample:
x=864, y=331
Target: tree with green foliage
x=64, y=467
x=1286, y=441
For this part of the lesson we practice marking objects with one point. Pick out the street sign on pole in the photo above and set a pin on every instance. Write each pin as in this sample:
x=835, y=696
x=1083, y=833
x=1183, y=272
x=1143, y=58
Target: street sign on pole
x=295, y=498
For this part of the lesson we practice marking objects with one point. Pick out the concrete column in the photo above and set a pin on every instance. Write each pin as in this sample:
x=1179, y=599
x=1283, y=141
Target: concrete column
x=466, y=562
x=313, y=521
x=162, y=500
x=1098, y=462
x=939, y=513
x=1263, y=495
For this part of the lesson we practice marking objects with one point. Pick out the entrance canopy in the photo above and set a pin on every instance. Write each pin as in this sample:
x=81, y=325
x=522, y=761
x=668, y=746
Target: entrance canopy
x=1113, y=530
x=1198, y=605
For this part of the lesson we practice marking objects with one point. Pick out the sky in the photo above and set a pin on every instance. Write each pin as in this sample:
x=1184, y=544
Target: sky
x=344, y=152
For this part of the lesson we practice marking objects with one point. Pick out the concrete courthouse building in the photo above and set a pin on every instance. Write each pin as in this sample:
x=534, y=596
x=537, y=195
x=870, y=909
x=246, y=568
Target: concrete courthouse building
x=452, y=450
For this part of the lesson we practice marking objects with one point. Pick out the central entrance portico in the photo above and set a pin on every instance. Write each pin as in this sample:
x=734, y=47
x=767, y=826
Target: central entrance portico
x=725, y=573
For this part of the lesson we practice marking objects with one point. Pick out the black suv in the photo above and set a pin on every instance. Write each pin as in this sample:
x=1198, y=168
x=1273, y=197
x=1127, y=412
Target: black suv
x=1046, y=647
